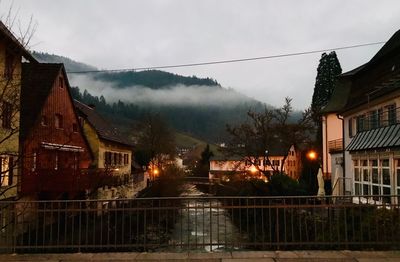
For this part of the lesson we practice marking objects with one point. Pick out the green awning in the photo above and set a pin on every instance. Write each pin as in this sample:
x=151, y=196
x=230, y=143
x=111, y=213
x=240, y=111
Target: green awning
x=383, y=137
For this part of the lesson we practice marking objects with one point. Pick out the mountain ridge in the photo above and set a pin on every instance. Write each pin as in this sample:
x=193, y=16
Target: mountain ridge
x=196, y=106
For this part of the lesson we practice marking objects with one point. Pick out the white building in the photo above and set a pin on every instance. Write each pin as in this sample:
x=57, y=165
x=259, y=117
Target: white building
x=371, y=125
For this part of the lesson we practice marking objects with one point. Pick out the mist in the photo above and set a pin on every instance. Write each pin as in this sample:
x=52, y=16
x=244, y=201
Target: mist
x=179, y=95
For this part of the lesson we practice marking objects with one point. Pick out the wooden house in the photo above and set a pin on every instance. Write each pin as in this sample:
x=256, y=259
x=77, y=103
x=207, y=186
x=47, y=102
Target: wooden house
x=12, y=52
x=54, y=148
x=112, y=151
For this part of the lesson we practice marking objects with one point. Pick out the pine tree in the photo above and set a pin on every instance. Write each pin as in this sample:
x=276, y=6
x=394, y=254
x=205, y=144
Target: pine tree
x=328, y=70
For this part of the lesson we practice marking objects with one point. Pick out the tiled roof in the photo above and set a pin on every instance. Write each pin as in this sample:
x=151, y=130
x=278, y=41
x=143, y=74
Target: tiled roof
x=36, y=83
x=380, y=138
x=103, y=128
x=6, y=34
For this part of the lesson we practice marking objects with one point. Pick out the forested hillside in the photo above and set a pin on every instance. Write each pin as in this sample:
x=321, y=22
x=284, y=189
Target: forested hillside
x=196, y=106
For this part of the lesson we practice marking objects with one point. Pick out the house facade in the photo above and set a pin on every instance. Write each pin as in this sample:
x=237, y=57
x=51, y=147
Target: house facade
x=112, y=152
x=332, y=136
x=224, y=167
x=54, y=149
x=371, y=126
x=12, y=52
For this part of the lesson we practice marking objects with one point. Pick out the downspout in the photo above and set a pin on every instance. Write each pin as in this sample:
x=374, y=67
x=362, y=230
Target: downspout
x=325, y=118
x=343, y=153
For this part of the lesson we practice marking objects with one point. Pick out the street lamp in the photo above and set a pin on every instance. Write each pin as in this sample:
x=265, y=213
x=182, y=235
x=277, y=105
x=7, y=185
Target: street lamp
x=312, y=156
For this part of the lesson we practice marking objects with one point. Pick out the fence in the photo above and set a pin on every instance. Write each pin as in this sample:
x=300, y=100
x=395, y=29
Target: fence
x=207, y=223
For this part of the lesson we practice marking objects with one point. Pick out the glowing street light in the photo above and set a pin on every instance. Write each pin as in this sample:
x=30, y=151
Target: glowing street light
x=253, y=169
x=312, y=155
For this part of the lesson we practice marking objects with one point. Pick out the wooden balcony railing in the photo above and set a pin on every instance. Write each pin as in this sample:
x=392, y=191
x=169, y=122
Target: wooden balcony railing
x=335, y=145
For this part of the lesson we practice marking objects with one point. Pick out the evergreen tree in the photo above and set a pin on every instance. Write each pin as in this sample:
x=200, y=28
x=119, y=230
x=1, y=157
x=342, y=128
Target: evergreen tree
x=203, y=166
x=328, y=70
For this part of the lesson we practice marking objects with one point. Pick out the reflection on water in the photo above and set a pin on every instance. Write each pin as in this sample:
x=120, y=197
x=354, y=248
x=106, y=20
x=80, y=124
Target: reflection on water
x=203, y=224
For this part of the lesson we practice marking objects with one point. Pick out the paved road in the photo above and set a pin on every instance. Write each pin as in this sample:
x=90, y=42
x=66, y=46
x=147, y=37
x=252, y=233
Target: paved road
x=268, y=256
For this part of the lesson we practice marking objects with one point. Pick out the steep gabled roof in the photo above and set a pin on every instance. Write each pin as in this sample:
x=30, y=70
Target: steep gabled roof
x=6, y=34
x=377, y=86
x=36, y=83
x=103, y=128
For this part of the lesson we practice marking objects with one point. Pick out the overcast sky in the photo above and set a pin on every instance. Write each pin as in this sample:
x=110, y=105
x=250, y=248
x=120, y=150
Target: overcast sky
x=127, y=34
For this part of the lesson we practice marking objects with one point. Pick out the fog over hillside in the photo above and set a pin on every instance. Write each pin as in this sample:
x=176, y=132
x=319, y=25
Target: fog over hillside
x=182, y=95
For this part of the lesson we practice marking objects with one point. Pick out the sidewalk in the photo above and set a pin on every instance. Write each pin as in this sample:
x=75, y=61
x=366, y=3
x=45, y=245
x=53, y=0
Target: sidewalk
x=268, y=256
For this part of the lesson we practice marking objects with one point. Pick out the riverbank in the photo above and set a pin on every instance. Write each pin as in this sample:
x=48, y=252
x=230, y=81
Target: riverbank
x=316, y=256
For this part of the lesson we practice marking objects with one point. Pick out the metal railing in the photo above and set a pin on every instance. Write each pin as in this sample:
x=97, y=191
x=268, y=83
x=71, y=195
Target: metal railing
x=206, y=223
x=340, y=185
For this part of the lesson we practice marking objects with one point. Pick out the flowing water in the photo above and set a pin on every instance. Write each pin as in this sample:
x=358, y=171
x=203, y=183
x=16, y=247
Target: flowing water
x=204, y=225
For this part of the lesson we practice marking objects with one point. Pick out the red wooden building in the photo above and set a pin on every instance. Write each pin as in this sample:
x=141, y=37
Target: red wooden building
x=54, y=149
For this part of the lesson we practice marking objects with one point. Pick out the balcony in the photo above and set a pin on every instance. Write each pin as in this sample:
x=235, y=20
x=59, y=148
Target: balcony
x=335, y=146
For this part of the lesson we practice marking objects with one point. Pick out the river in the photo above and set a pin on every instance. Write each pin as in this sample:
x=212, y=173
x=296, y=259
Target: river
x=204, y=225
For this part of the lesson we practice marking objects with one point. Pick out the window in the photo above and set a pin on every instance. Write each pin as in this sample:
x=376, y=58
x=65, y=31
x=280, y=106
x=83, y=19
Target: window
x=126, y=159
x=61, y=82
x=6, y=115
x=58, y=121
x=75, y=127
x=34, y=161
x=9, y=65
x=275, y=162
x=397, y=186
x=391, y=114
x=107, y=158
x=56, y=160
x=76, y=162
x=372, y=177
x=44, y=121
x=360, y=123
x=350, y=127
x=373, y=119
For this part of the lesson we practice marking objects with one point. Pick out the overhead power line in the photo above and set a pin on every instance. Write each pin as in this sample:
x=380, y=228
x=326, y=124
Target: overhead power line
x=226, y=61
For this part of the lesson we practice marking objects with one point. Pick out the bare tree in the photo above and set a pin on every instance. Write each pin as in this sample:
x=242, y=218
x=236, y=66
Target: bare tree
x=10, y=95
x=271, y=128
x=156, y=142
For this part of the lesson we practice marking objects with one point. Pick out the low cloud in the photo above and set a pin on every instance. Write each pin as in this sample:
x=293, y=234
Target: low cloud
x=175, y=95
